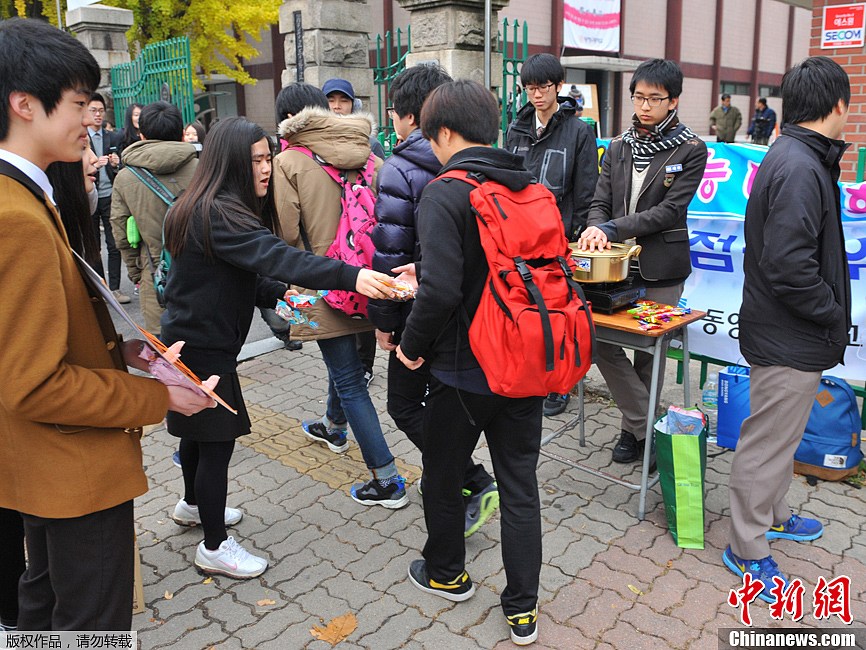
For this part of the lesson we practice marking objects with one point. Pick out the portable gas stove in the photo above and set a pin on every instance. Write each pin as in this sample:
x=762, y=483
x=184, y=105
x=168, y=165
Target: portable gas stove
x=607, y=297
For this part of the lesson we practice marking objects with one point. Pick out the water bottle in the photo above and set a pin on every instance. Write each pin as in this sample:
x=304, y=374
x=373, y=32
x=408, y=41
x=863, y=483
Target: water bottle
x=710, y=404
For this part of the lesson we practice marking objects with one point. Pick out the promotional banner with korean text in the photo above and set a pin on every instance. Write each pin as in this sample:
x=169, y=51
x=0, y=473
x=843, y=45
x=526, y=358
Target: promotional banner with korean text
x=715, y=223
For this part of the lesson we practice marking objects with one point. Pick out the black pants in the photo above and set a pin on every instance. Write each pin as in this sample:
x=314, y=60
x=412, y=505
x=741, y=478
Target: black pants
x=103, y=214
x=11, y=564
x=80, y=572
x=407, y=390
x=205, y=467
x=513, y=431
x=366, y=342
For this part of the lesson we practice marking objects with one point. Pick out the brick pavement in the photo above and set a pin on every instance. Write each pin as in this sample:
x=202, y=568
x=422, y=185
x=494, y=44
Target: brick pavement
x=607, y=581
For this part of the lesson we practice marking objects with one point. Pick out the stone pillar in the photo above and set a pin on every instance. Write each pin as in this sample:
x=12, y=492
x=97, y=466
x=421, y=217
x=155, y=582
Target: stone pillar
x=451, y=33
x=336, y=43
x=103, y=32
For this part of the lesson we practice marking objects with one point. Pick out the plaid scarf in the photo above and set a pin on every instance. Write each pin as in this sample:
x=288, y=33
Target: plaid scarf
x=647, y=141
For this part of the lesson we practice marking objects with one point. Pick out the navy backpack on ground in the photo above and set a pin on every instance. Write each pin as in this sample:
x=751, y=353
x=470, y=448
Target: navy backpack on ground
x=830, y=448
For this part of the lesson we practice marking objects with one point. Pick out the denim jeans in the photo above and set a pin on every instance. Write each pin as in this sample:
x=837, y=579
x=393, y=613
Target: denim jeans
x=348, y=400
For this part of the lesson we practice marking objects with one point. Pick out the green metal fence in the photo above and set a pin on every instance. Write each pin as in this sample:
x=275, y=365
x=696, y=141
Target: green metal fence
x=861, y=163
x=390, y=61
x=163, y=71
x=514, y=52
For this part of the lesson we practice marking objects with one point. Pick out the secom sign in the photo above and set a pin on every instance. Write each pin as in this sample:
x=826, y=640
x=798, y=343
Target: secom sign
x=843, y=26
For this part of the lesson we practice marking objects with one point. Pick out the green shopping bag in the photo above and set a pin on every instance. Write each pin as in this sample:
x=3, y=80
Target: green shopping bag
x=132, y=234
x=682, y=461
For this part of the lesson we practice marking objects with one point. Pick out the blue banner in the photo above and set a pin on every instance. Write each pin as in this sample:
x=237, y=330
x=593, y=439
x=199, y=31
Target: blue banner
x=715, y=221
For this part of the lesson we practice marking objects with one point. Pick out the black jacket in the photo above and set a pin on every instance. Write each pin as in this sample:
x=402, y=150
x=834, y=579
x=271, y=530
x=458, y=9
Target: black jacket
x=209, y=302
x=401, y=180
x=109, y=139
x=564, y=159
x=455, y=267
x=796, y=309
x=659, y=224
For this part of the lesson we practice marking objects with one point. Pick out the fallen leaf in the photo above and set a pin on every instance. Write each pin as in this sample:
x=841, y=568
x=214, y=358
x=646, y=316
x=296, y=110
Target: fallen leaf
x=264, y=602
x=670, y=563
x=635, y=590
x=169, y=595
x=337, y=629
x=207, y=581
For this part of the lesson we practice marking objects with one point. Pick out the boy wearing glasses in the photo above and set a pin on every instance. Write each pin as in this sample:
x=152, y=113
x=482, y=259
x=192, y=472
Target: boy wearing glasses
x=648, y=177
x=105, y=144
x=560, y=151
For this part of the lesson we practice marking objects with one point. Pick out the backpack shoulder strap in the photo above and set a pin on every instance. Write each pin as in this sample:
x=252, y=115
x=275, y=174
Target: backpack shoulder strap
x=462, y=175
x=153, y=183
x=330, y=170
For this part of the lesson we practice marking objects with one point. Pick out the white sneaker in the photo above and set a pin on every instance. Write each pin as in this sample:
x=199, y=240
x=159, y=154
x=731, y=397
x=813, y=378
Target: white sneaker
x=230, y=559
x=187, y=515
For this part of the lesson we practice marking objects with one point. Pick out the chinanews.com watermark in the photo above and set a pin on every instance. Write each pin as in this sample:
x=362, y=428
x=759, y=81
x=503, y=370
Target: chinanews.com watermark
x=830, y=601
x=69, y=640
x=819, y=637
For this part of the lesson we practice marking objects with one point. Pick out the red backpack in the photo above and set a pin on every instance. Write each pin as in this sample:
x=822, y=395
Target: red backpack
x=352, y=243
x=532, y=333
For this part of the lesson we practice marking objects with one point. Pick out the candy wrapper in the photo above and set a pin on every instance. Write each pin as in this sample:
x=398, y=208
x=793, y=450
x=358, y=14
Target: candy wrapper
x=653, y=315
x=403, y=291
x=295, y=311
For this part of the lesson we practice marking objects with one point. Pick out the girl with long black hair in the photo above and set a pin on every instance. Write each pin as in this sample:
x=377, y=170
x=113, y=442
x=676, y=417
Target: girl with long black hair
x=131, y=132
x=226, y=260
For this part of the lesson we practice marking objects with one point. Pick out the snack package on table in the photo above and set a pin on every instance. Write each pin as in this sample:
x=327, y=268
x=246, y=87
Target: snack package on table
x=295, y=311
x=652, y=315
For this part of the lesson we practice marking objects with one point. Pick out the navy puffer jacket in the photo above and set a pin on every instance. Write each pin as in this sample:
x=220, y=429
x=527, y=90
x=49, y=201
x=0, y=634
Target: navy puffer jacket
x=401, y=180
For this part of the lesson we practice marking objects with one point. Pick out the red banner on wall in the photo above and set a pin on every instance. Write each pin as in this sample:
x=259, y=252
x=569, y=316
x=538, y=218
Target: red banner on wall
x=592, y=24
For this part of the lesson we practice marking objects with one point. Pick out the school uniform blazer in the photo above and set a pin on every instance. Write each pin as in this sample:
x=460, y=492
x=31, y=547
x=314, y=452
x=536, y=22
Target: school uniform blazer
x=70, y=413
x=659, y=223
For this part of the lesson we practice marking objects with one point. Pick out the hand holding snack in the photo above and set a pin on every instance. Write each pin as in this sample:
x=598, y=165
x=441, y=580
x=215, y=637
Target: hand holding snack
x=407, y=274
x=403, y=290
x=373, y=284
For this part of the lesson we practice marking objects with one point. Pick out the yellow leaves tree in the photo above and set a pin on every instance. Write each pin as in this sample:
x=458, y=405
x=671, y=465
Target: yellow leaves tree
x=221, y=32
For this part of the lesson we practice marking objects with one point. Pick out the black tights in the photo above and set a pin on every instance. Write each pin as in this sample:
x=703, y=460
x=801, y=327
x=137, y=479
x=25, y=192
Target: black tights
x=205, y=467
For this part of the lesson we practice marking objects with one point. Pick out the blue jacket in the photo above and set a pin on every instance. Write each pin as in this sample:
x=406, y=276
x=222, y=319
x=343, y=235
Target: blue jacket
x=401, y=180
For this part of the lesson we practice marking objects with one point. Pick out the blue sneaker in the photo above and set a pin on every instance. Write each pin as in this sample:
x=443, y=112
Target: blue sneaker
x=390, y=492
x=175, y=458
x=764, y=570
x=797, y=528
x=335, y=438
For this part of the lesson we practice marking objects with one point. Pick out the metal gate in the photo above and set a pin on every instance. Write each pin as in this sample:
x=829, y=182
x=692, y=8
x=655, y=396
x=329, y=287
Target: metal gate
x=513, y=55
x=390, y=61
x=163, y=71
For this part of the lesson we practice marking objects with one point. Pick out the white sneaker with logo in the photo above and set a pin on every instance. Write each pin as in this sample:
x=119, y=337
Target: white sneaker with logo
x=230, y=559
x=187, y=515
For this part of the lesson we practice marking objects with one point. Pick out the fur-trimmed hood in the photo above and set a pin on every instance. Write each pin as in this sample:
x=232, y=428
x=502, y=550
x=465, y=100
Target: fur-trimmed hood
x=341, y=140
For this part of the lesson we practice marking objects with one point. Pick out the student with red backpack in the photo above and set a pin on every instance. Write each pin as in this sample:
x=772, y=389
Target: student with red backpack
x=454, y=326
x=324, y=150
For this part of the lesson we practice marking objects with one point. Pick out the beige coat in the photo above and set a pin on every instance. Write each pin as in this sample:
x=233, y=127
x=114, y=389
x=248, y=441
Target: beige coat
x=173, y=163
x=306, y=196
x=69, y=410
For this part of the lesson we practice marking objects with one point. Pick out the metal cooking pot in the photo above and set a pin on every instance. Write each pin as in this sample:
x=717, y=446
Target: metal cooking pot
x=608, y=265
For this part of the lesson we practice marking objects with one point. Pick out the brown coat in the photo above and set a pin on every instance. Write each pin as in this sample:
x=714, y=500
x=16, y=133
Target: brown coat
x=305, y=194
x=68, y=407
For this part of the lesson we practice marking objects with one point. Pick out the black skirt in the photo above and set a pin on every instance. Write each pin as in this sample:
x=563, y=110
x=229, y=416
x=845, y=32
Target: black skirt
x=216, y=424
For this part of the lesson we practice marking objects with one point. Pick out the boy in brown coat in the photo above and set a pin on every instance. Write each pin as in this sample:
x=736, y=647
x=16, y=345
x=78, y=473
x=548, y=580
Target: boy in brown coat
x=70, y=413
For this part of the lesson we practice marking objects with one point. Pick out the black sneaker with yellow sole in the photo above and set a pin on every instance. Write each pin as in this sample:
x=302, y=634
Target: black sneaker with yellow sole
x=524, y=627
x=458, y=590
